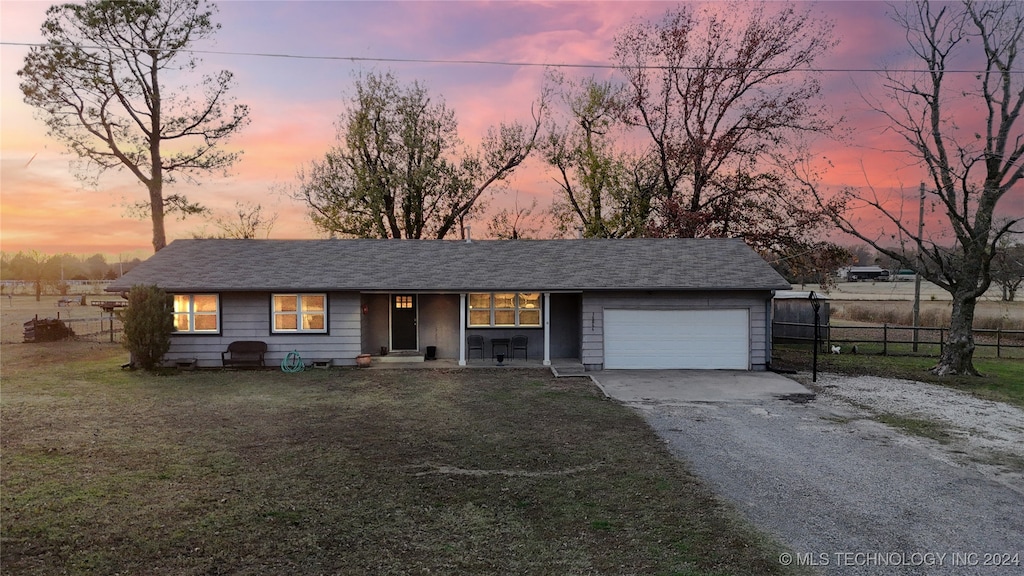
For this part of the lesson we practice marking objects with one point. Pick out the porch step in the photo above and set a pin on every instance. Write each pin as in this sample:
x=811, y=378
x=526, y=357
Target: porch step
x=568, y=370
x=399, y=356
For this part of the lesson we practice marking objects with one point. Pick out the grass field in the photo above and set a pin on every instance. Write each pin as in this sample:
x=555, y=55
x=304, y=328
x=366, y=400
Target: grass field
x=344, y=471
x=859, y=310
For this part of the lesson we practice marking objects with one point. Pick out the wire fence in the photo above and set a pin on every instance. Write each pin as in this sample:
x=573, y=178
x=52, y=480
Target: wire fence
x=105, y=327
x=888, y=339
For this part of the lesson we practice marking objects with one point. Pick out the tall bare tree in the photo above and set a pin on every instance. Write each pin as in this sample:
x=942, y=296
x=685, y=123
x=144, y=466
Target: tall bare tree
x=724, y=93
x=964, y=130
x=100, y=83
x=400, y=169
x=604, y=189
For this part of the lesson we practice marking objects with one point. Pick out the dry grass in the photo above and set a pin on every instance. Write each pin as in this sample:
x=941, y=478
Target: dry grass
x=988, y=315
x=341, y=472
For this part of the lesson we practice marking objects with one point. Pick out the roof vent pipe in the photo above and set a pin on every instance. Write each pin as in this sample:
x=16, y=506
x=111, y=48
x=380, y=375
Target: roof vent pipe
x=465, y=233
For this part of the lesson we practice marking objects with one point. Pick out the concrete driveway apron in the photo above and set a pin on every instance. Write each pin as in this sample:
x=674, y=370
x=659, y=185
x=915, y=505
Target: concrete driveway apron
x=847, y=494
x=675, y=386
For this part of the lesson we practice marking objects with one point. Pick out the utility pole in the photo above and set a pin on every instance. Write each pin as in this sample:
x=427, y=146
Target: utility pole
x=917, y=270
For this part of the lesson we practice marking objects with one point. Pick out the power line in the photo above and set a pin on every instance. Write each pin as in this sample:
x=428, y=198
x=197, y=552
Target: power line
x=506, y=63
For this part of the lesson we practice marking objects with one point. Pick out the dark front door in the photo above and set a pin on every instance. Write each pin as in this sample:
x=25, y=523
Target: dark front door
x=403, y=322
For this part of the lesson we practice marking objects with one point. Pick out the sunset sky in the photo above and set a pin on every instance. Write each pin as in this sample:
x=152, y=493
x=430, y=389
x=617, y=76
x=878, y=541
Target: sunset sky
x=295, y=102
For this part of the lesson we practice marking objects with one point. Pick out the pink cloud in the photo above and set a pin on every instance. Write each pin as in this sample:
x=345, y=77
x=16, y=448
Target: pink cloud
x=295, y=103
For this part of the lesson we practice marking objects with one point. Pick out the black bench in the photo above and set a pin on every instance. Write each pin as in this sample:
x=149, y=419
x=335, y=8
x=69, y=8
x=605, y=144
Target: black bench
x=247, y=353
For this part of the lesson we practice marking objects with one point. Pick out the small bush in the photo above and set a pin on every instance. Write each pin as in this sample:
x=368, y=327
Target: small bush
x=148, y=323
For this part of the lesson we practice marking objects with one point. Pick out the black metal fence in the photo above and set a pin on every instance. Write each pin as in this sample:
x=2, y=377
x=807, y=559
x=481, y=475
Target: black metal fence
x=893, y=339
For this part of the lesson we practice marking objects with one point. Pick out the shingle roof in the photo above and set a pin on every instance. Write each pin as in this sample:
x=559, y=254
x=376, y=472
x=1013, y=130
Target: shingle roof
x=453, y=266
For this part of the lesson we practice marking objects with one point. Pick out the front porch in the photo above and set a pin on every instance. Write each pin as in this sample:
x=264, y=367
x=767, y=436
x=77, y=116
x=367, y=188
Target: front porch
x=396, y=325
x=563, y=366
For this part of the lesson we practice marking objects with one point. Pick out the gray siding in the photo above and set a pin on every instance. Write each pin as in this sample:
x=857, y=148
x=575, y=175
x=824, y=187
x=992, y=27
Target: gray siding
x=594, y=304
x=375, y=323
x=246, y=316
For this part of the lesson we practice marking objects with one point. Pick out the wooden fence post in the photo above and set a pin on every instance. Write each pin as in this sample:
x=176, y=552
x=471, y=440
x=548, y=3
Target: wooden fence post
x=885, y=339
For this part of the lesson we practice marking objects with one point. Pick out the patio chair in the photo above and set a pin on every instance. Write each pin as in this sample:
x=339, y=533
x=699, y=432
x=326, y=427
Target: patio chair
x=519, y=343
x=474, y=342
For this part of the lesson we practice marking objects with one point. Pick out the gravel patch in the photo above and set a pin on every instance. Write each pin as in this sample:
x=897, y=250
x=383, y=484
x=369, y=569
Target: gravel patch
x=978, y=425
x=852, y=496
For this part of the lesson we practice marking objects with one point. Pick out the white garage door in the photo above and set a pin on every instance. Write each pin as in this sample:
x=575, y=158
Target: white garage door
x=717, y=339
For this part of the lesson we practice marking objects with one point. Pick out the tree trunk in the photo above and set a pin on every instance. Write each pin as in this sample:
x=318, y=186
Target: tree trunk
x=156, y=209
x=958, y=353
x=156, y=167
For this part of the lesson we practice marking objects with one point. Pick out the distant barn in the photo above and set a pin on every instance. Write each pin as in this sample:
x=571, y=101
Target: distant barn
x=872, y=273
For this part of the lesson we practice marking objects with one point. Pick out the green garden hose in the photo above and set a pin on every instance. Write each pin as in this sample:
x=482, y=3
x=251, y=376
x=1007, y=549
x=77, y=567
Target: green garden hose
x=292, y=362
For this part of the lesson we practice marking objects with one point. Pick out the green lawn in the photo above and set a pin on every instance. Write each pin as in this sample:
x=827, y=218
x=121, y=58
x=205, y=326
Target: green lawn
x=1002, y=379
x=343, y=472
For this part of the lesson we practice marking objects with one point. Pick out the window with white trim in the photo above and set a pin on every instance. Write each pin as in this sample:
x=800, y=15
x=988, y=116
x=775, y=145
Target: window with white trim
x=300, y=313
x=196, y=313
x=504, y=309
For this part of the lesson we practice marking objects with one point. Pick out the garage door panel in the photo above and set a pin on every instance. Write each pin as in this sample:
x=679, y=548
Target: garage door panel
x=665, y=339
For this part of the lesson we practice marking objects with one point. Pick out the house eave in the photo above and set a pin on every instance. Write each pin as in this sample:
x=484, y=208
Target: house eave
x=450, y=290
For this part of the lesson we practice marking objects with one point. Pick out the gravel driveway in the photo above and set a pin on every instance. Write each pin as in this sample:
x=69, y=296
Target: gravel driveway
x=853, y=496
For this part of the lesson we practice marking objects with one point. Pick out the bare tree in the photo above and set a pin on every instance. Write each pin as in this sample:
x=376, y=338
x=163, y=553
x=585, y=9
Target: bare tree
x=246, y=221
x=603, y=188
x=723, y=96
x=100, y=84
x=517, y=223
x=1008, y=267
x=971, y=162
x=400, y=170
x=818, y=264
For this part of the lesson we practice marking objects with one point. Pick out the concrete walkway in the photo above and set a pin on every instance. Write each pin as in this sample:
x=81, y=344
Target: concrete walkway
x=671, y=387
